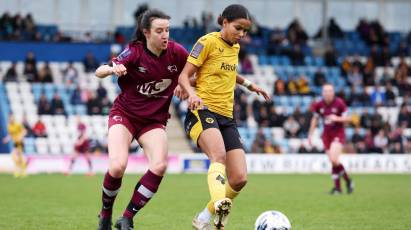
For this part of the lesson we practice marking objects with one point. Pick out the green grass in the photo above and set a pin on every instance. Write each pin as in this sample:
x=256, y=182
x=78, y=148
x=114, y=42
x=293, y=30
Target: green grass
x=58, y=202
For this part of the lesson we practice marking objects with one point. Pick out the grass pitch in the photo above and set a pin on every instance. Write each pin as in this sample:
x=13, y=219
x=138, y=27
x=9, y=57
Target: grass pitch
x=73, y=202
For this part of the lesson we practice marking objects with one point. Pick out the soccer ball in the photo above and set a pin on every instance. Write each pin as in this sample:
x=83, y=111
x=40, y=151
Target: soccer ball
x=272, y=220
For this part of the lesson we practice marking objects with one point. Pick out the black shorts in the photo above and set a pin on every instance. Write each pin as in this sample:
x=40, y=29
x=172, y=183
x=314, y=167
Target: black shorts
x=199, y=120
x=19, y=145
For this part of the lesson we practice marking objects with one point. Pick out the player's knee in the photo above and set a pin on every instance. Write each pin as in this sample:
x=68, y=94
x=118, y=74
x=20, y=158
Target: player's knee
x=238, y=182
x=117, y=168
x=159, y=168
x=218, y=156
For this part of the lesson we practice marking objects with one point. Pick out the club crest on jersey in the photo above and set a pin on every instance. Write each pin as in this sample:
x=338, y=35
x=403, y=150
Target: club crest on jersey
x=154, y=87
x=172, y=68
x=142, y=69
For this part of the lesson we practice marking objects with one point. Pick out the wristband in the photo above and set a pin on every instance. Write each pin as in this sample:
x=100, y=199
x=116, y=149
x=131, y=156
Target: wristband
x=247, y=83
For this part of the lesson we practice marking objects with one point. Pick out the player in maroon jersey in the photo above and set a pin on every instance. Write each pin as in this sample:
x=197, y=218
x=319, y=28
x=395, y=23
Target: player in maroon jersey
x=148, y=71
x=333, y=111
x=81, y=147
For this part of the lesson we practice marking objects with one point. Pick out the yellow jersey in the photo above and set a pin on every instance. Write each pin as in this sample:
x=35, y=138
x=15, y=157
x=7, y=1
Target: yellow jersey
x=15, y=131
x=217, y=63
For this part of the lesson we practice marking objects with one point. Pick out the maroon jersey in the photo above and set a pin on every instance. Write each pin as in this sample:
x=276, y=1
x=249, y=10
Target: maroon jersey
x=148, y=86
x=323, y=110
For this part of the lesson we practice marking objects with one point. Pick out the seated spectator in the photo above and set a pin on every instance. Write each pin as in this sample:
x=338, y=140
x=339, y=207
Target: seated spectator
x=90, y=63
x=45, y=75
x=279, y=87
x=30, y=73
x=291, y=127
x=259, y=141
x=105, y=106
x=277, y=42
x=296, y=55
x=296, y=33
x=39, y=129
x=57, y=105
x=333, y=30
x=319, y=78
x=246, y=64
x=70, y=74
x=101, y=91
x=357, y=137
x=27, y=126
x=390, y=95
x=93, y=105
x=377, y=96
x=75, y=97
x=43, y=106
x=381, y=142
x=368, y=73
x=275, y=119
x=11, y=74
x=292, y=87
x=303, y=85
x=355, y=77
x=263, y=118
x=303, y=149
x=30, y=59
x=330, y=57
x=404, y=117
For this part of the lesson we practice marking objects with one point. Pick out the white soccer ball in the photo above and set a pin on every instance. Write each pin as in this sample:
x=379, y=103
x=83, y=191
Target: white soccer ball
x=272, y=220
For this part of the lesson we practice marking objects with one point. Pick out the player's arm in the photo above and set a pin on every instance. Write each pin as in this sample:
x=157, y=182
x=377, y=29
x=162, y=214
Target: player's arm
x=252, y=87
x=6, y=139
x=313, y=126
x=184, y=82
x=344, y=118
x=107, y=70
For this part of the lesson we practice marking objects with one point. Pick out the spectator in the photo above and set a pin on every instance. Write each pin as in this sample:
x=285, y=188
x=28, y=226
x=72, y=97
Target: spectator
x=319, y=78
x=45, y=75
x=357, y=137
x=390, y=95
x=330, y=57
x=291, y=127
x=296, y=55
x=302, y=149
x=11, y=74
x=296, y=33
x=404, y=117
x=30, y=59
x=333, y=30
x=355, y=77
x=75, y=97
x=279, y=87
x=245, y=63
x=263, y=119
x=378, y=96
x=90, y=63
x=93, y=105
x=381, y=142
x=70, y=74
x=57, y=105
x=365, y=119
x=368, y=72
x=30, y=73
x=303, y=85
x=101, y=91
x=43, y=106
x=277, y=42
x=259, y=141
x=105, y=105
x=39, y=129
x=292, y=87
x=275, y=119
x=27, y=126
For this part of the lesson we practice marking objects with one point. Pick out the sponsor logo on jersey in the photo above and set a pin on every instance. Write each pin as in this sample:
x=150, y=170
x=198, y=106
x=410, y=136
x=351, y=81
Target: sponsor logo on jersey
x=154, y=87
x=172, y=68
x=221, y=50
x=142, y=69
x=124, y=54
x=228, y=67
x=117, y=118
x=197, y=50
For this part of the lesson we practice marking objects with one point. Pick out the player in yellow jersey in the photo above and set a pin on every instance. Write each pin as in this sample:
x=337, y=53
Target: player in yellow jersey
x=16, y=134
x=209, y=122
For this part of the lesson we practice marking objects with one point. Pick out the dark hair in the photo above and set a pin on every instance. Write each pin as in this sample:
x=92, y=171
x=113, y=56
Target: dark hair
x=144, y=22
x=233, y=12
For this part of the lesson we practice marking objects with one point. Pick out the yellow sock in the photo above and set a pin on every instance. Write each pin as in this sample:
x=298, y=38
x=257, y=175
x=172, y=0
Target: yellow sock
x=216, y=181
x=229, y=193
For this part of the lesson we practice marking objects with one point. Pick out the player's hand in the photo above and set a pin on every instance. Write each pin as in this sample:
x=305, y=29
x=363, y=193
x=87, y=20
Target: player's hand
x=333, y=118
x=194, y=102
x=253, y=87
x=119, y=70
x=180, y=93
x=6, y=140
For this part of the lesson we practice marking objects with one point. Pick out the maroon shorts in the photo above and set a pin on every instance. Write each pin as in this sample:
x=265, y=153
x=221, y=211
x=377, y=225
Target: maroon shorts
x=330, y=138
x=83, y=147
x=135, y=126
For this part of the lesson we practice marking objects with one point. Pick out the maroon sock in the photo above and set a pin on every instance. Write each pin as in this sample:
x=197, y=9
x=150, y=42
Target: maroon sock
x=90, y=165
x=143, y=192
x=343, y=173
x=336, y=177
x=111, y=186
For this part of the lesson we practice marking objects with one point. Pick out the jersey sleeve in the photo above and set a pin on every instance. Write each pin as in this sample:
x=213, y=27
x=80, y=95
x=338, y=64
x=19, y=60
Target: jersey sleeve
x=200, y=51
x=126, y=57
x=343, y=108
x=182, y=55
x=315, y=109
